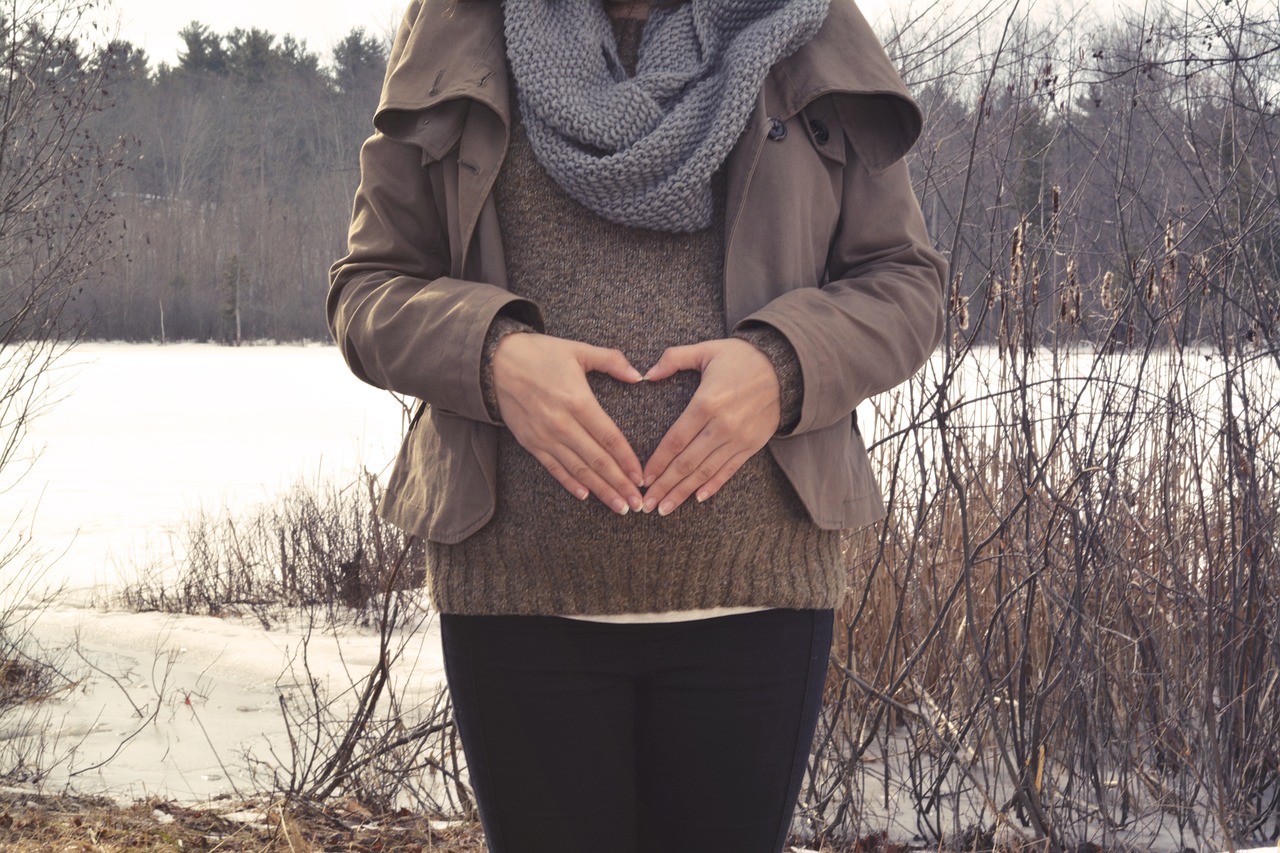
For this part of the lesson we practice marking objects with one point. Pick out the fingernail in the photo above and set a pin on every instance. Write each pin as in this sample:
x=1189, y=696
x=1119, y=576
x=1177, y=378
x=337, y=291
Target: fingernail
x=636, y=376
x=620, y=507
x=649, y=505
x=666, y=509
x=582, y=494
x=702, y=496
x=637, y=503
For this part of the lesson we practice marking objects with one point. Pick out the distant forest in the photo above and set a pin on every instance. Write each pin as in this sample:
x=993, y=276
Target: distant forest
x=1082, y=177
x=242, y=160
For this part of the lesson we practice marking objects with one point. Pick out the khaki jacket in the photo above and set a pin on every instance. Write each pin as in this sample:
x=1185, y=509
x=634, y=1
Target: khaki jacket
x=824, y=242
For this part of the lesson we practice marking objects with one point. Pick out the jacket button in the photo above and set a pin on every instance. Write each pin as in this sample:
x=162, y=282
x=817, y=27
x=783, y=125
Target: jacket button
x=820, y=132
x=777, y=130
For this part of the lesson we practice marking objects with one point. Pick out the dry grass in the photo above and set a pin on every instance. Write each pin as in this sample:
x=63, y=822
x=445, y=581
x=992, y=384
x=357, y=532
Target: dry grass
x=30, y=824
x=320, y=548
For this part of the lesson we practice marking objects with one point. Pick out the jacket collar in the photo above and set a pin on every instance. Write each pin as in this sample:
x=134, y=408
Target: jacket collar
x=846, y=58
x=450, y=50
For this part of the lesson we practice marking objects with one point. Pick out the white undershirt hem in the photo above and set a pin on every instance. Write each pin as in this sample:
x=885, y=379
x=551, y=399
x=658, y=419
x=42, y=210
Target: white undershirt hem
x=668, y=616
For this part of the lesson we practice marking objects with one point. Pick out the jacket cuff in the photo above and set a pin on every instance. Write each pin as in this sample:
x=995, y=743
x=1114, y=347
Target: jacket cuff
x=786, y=364
x=501, y=326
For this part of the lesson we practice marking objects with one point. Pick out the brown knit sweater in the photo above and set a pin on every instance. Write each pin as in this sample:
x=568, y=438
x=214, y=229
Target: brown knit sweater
x=640, y=291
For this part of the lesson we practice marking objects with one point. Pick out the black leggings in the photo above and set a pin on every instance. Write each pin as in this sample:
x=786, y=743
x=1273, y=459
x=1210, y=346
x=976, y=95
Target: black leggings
x=582, y=737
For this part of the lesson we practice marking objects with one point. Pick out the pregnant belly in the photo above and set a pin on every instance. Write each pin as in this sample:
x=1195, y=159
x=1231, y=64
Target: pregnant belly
x=645, y=411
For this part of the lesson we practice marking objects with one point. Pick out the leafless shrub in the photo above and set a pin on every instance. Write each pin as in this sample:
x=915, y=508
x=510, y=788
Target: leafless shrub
x=1066, y=629
x=321, y=554
x=317, y=547
x=56, y=227
x=378, y=741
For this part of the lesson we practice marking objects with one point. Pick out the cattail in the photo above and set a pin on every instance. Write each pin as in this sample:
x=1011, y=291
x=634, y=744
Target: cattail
x=1153, y=287
x=1015, y=257
x=1057, y=208
x=1070, y=307
x=959, y=304
x=964, y=312
x=1169, y=270
x=1108, y=295
x=1200, y=263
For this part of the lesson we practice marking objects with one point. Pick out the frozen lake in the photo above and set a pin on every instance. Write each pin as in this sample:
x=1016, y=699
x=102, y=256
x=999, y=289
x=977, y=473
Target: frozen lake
x=143, y=436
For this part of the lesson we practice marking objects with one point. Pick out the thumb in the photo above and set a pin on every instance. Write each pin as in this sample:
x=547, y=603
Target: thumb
x=610, y=361
x=676, y=359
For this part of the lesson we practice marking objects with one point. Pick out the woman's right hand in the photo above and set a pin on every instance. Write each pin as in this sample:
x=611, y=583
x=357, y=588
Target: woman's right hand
x=545, y=400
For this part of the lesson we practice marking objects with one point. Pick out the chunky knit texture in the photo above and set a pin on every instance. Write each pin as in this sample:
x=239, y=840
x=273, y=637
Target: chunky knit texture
x=546, y=553
x=640, y=150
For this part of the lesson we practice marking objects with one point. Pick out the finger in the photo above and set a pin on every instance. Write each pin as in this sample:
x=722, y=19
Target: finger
x=619, y=465
x=683, y=464
x=548, y=404
x=610, y=361
x=676, y=359
x=580, y=479
x=593, y=436
x=687, y=476
x=602, y=428
x=572, y=454
x=686, y=428
x=594, y=461
x=580, y=445
x=561, y=474
x=593, y=452
x=716, y=483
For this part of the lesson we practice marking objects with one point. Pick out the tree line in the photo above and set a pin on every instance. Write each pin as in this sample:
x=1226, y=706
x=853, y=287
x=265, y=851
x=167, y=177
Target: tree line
x=241, y=163
x=1081, y=175
x=1086, y=179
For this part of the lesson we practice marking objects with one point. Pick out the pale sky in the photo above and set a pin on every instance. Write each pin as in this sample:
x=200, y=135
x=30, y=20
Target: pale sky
x=153, y=24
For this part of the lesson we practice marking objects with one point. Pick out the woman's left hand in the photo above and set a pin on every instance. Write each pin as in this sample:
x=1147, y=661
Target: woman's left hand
x=734, y=412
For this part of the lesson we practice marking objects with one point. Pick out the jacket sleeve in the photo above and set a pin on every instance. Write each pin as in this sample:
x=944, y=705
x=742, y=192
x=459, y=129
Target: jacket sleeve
x=401, y=322
x=880, y=314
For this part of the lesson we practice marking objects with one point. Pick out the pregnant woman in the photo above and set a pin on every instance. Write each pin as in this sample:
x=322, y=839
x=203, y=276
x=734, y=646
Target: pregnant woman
x=639, y=262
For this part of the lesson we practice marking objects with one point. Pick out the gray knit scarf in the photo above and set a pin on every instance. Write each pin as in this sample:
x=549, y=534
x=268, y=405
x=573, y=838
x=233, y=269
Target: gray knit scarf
x=641, y=151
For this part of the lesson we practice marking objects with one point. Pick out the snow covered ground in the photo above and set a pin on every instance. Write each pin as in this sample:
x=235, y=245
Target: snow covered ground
x=176, y=706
